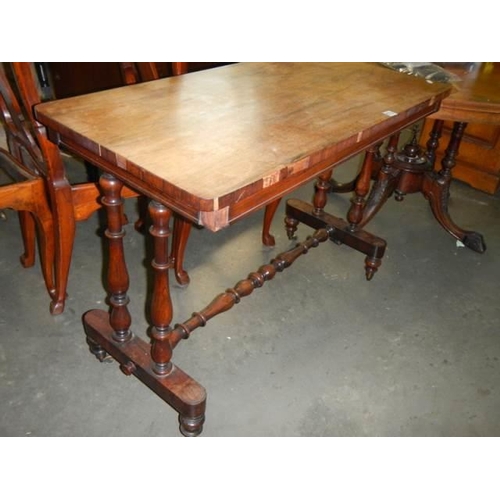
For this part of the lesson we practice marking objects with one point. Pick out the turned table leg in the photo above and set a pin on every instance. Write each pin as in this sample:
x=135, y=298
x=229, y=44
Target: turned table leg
x=161, y=305
x=433, y=142
x=436, y=187
x=191, y=416
x=267, y=238
x=117, y=274
x=355, y=214
x=384, y=184
x=109, y=335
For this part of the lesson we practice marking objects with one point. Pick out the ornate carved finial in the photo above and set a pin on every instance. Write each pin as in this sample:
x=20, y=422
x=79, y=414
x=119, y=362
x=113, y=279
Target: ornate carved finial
x=412, y=152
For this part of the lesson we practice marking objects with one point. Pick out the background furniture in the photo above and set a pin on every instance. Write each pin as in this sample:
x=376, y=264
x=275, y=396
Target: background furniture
x=69, y=203
x=23, y=187
x=76, y=78
x=477, y=103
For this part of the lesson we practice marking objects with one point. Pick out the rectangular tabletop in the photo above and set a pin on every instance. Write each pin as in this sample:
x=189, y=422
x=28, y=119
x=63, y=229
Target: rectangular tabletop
x=217, y=144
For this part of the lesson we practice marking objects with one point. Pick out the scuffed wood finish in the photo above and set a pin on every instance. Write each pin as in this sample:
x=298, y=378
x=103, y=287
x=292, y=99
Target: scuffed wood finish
x=216, y=145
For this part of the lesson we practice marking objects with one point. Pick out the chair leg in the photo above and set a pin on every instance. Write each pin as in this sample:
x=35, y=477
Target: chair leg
x=28, y=233
x=267, y=237
x=142, y=205
x=64, y=231
x=30, y=197
x=181, y=231
x=63, y=211
x=43, y=217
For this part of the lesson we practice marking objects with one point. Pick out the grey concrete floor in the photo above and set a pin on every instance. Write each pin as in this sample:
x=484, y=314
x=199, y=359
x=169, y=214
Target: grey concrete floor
x=318, y=351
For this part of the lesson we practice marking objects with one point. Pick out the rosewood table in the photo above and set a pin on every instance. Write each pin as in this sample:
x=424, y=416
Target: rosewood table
x=215, y=146
x=476, y=100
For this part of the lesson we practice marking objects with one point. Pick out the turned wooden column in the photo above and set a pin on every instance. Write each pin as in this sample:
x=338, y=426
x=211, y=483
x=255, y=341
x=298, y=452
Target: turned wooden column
x=449, y=160
x=322, y=188
x=433, y=142
x=161, y=305
x=358, y=202
x=117, y=275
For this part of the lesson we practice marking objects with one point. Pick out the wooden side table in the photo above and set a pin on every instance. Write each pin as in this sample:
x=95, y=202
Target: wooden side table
x=427, y=168
x=477, y=103
x=214, y=147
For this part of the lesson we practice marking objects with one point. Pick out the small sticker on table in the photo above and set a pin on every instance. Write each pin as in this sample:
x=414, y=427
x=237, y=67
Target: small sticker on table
x=389, y=113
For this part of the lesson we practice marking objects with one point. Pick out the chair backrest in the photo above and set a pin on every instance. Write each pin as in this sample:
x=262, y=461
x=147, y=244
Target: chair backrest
x=135, y=72
x=179, y=68
x=19, y=134
x=24, y=75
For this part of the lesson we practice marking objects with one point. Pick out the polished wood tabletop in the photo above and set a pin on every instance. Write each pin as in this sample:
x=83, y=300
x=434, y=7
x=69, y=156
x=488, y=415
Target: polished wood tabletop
x=217, y=144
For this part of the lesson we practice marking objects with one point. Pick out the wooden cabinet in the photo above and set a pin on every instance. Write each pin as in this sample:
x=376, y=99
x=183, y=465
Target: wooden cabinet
x=478, y=160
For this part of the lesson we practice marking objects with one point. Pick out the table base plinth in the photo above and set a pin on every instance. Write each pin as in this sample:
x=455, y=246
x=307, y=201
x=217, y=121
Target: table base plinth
x=177, y=389
x=362, y=241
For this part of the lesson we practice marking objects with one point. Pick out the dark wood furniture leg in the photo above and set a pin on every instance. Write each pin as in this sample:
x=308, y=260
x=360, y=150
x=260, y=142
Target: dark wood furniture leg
x=109, y=335
x=31, y=199
x=349, y=187
x=267, y=237
x=181, y=231
x=28, y=233
x=385, y=183
x=362, y=188
x=433, y=142
x=64, y=224
x=436, y=186
x=410, y=171
x=340, y=231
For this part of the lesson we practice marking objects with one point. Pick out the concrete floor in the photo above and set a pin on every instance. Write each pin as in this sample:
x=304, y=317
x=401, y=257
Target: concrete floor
x=318, y=351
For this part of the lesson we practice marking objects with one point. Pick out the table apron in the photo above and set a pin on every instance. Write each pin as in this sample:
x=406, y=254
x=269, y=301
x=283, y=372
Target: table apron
x=256, y=195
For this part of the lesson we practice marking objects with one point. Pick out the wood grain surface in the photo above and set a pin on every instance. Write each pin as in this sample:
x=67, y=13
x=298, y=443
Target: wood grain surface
x=217, y=144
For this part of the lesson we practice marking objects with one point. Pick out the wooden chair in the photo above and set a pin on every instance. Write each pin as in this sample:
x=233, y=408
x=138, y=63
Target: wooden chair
x=77, y=202
x=25, y=189
x=69, y=203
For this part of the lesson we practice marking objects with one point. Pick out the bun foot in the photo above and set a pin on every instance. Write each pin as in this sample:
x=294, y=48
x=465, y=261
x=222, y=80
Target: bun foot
x=99, y=352
x=191, y=426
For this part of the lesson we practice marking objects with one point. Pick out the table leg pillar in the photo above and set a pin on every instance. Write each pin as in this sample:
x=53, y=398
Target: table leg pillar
x=117, y=276
x=436, y=189
x=355, y=214
x=161, y=306
x=109, y=335
x=433, y=142
x=384, y=185
x=322, y=188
